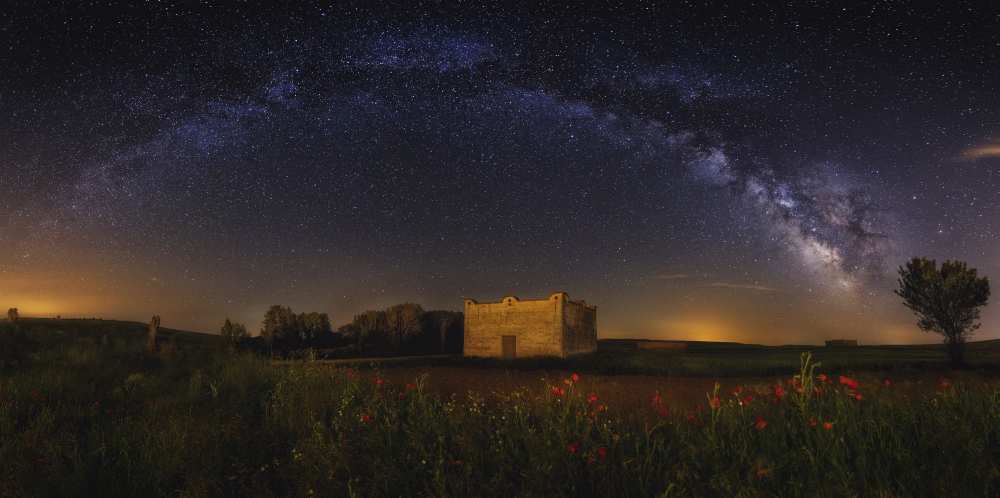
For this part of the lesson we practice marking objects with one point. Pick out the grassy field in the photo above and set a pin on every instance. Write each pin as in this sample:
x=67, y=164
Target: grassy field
x=83, y=411
x=718, y=360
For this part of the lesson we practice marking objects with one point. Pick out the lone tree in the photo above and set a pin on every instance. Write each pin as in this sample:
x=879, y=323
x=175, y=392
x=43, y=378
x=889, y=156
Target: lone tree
x=12, y=314
x=946, y=300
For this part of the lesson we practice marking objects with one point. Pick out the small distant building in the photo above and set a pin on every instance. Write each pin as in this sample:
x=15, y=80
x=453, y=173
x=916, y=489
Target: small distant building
x=842, y=343
x=512, y=328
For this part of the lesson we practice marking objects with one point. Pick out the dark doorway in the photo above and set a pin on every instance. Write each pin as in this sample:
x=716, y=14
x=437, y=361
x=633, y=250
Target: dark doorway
x=509, y=346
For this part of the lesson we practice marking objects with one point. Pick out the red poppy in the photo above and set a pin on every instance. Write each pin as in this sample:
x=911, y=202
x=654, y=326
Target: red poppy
x=886, y=382
x=779, y=392
x=746, y=400
x=575, y=377
x=410, y=387
x=737, y=391
x=760, y=424
x=365, y=418
x=572, y=448
x=849, y=382
x=828, y=425
x=714, y=402
x=858, y=396
x=602, y=453
x=592, y=398
x=822, y=378
x=557, y=391
x=658, y=406
x=379, y=381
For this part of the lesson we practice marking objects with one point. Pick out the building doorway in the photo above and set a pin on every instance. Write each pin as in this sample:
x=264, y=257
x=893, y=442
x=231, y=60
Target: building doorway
x=509, y=346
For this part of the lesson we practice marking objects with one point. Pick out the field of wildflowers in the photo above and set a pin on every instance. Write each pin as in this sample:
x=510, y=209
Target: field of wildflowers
x=106, y=421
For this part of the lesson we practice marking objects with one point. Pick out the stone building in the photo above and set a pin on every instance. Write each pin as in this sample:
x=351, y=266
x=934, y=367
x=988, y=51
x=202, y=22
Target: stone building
x=513, y=328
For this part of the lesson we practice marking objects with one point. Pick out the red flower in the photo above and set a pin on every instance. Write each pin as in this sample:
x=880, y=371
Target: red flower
x=558, y=391
x=828, y=425
x=858, y=396
x=379, y=382
x=746, y=400
x=658, y=406
x=365, y=418
x=822, y=378
x=575, y=377
x=410, y=387
x=602, y=453
x=760, y=424
x=592, y=398
x=714, y=402
x=779, y=392
x=737, y=391
x=886, y=382
x=572, y=448
x=812, y=422
x=849, y=382
x=944, y=383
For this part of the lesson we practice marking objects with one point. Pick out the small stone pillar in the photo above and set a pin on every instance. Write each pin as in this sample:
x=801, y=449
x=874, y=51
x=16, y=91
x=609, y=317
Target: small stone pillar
x=154, y=328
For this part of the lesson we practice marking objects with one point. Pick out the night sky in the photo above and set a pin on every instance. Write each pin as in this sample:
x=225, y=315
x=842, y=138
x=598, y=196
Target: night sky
x=737, y=171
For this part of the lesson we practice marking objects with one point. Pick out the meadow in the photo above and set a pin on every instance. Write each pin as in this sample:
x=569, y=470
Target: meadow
x=83, y=411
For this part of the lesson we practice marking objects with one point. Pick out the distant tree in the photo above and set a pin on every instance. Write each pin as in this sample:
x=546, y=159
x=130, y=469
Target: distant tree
x=404, y=323
x=946, y=301
x=313, y=326
x=232, y=332
x=280, y=326
x=443, y=330
x=348, y=331
x=12, y=314
x=370, y=328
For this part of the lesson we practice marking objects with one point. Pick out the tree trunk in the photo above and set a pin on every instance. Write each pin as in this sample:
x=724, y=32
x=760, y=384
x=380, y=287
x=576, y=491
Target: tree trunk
x=955, y=347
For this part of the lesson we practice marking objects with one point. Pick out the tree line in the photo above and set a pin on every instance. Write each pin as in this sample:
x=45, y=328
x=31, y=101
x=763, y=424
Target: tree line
x=402, y=328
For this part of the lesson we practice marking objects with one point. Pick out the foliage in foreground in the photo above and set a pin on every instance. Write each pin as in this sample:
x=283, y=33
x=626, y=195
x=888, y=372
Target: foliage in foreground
x=109, y=422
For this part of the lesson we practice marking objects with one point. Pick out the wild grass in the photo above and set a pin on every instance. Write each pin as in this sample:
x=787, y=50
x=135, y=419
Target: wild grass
x=99, y=418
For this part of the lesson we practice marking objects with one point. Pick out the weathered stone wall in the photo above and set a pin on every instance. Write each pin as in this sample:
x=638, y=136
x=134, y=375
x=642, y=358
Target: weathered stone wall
x=543, y=327
x=580, y=328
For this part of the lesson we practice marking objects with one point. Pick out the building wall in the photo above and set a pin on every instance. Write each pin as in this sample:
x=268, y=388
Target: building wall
x=545, y=327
